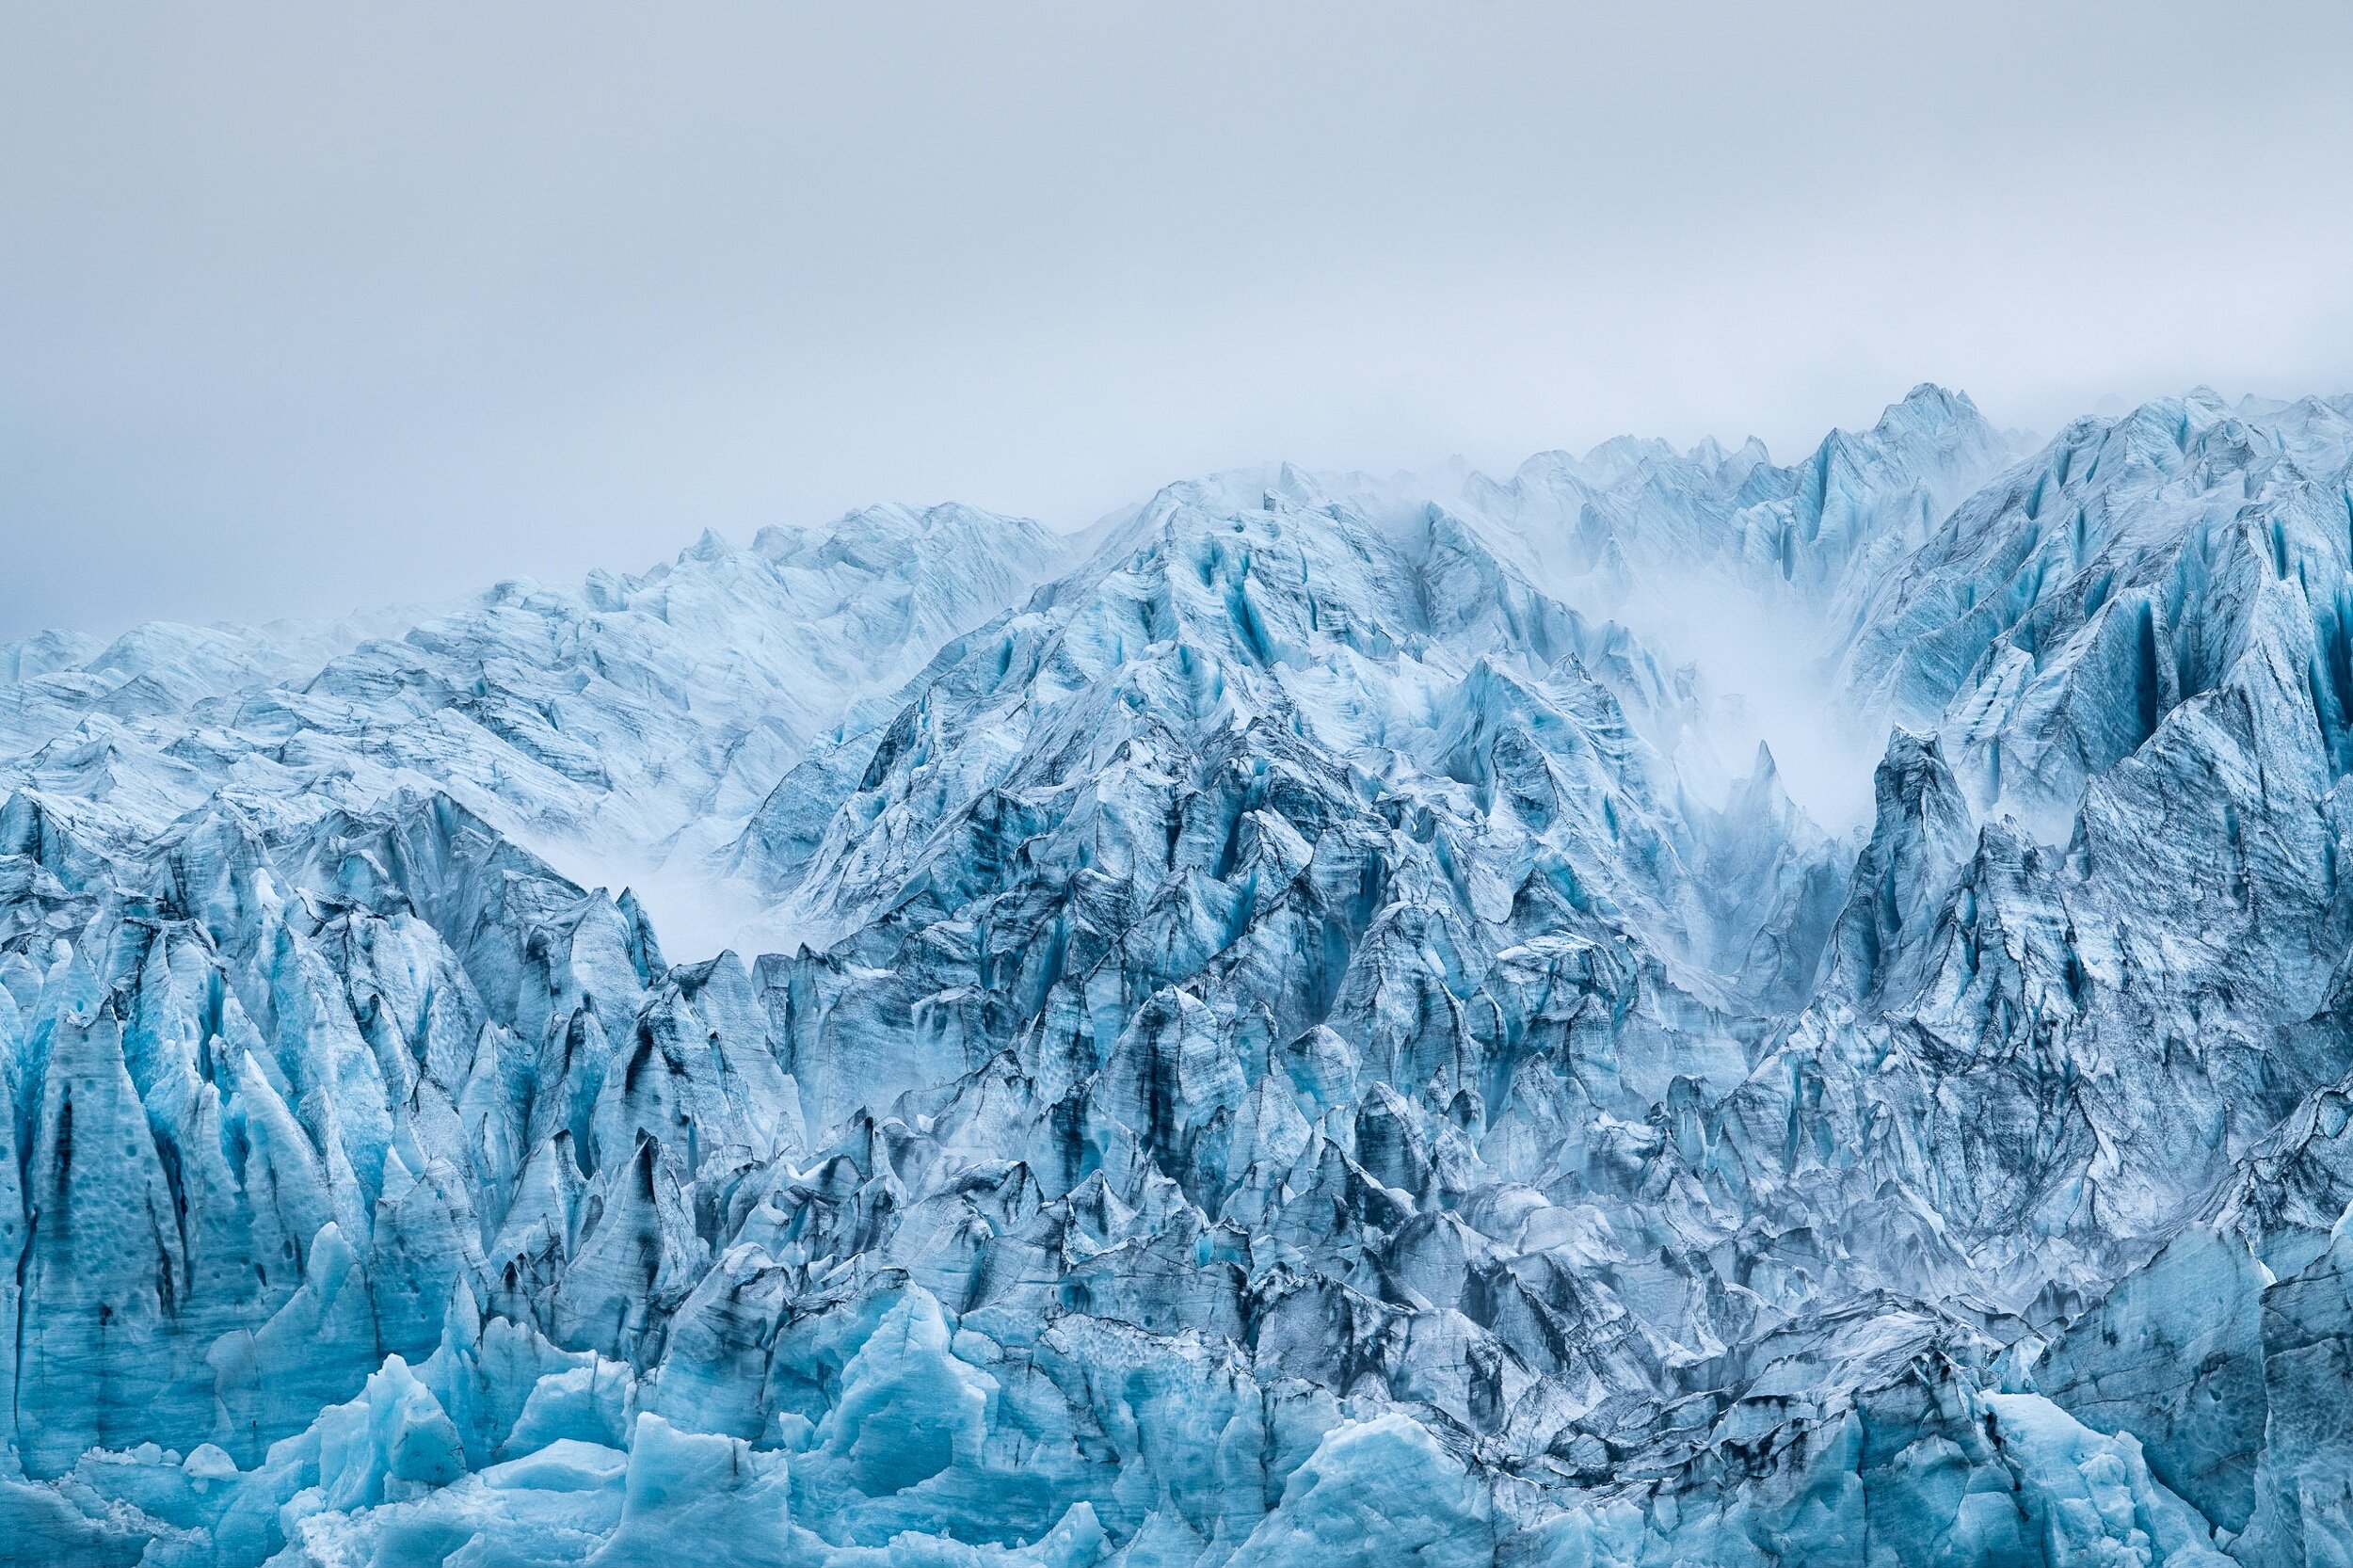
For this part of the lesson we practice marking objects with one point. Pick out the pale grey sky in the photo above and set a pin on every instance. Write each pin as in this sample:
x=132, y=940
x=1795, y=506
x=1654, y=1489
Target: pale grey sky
x=303, y=306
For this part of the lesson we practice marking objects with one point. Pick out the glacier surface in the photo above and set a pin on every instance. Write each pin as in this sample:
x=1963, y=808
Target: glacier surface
x=1303, y=1026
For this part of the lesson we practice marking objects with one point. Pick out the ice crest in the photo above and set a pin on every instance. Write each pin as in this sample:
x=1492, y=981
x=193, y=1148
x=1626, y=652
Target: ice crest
x=1667, y=1007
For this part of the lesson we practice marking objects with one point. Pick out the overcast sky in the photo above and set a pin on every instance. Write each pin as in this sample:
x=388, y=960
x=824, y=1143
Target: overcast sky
x=307, y=306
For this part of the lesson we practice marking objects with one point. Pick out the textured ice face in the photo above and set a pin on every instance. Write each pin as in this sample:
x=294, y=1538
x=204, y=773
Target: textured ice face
x=1311, y=1035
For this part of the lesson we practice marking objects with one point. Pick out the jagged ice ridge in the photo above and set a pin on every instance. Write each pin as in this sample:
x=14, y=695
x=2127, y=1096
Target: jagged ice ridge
x=1297, y=1027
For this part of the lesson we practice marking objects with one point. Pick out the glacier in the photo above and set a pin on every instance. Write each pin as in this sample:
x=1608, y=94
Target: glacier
x=1667, y=1007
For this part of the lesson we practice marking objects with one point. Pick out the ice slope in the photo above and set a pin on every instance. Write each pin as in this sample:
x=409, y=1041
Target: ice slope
x=601, y=727
x=1313, y=1036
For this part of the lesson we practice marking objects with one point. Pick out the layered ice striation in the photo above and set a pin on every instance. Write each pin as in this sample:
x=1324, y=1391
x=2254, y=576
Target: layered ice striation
x=1297, y=1028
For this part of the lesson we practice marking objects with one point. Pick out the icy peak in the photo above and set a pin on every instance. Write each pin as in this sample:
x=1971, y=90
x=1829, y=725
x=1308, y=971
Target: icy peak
x=1305, y=1026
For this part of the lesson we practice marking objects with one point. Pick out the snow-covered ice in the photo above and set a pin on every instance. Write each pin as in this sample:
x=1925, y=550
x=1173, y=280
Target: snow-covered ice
x=1664, y=1008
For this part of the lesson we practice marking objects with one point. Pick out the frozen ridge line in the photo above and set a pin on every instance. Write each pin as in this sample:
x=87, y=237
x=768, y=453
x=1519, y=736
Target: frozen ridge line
x=1307, y=1030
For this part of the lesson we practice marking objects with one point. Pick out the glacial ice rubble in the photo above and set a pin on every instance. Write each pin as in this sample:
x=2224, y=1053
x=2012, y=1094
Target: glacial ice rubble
x=1311, y=1038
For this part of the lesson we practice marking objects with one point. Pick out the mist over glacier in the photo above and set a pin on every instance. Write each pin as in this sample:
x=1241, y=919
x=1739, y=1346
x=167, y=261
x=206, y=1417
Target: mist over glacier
x=1666, y=1006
